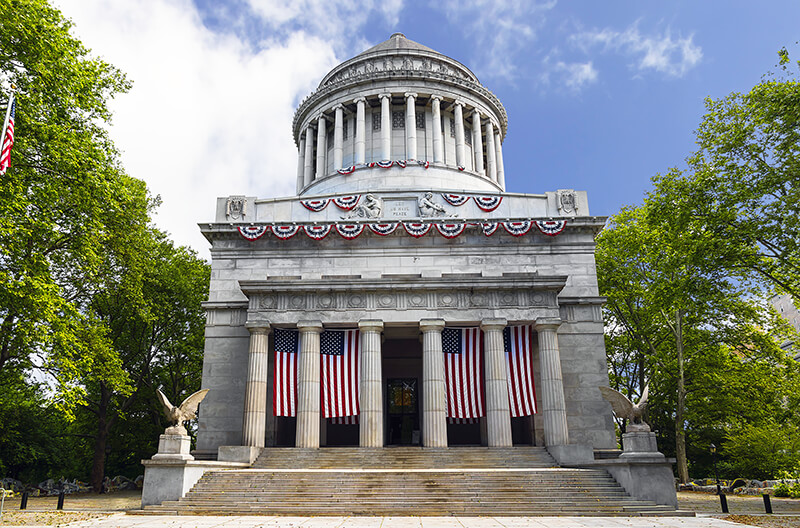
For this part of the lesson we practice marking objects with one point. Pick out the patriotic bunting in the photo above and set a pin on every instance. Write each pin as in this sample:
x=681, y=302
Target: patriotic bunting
x=450, y=230
x=384, y=164
x=455, y=199
x=416, y=229
x=349, y=231
x=383, y=229
x=346, y=202
x=488, y=203
x=252, y=232
x=285, y=232
x=425, y=164
x=346, y=170
x=489, y=228
x=317, y=232
x=315, y=205
x=463, y=372
x=517, y=228
x=461, y=168
x=339, y=373
x=287, y=347
x=551, y=227
x=402, y=163
x=518, y=344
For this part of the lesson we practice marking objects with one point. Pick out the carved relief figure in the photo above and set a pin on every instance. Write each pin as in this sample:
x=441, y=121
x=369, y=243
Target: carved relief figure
x=566, y=202
x=371, y=207
x=236, y=207
x=427, y=207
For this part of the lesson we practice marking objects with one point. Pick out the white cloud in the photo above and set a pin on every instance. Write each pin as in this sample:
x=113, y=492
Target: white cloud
x=576, y=74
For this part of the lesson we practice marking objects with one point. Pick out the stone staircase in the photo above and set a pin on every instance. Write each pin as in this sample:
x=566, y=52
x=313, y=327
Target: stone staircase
x=408, y=481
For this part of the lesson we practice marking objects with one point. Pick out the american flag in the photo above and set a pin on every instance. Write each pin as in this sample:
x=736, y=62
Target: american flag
x=339, y=373
x=463, y=370
x=517, y=342
x=287, y=346
x=7, y=136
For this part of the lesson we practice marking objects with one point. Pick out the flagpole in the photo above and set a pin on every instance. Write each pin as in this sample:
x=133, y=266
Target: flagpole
x=8, y=116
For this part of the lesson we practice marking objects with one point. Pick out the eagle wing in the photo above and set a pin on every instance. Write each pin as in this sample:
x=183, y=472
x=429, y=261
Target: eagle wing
x=166, y=404
x=643, y=399
x=190, y=404
x=621, y=405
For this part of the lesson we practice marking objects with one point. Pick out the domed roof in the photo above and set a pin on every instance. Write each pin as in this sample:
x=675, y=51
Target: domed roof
x=396, y=42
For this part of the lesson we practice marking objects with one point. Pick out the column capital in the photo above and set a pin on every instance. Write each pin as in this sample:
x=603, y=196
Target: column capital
x=494, y=324
x=410, y=94
x=547, y=323
x=310, y=326
x=322, y=117
x=476, y=112
x=431, y=325
x=338, y=106
x=436, y=97
x=385, y=96
x=361, y=99
x=258, y=327
x=370, y=325
x=459, y=102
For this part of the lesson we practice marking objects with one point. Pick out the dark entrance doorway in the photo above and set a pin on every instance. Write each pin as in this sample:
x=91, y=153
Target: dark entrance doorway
x=402, y=411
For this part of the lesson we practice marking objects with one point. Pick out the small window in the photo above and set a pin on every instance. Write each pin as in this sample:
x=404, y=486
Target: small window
x=344, y=129
x=420, y=120
x=452, y=127
x=398, y=120
x=376, y=121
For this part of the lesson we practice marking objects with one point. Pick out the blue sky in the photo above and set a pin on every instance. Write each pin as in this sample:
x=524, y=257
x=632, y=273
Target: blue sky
x=600, y=95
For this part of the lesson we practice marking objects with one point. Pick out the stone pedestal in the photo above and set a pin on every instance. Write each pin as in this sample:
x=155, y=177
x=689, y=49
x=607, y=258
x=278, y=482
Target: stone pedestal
x=173, y=447
x=170, y=479
x=639, y=444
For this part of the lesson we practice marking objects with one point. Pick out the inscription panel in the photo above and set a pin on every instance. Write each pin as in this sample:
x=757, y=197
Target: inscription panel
x=400, y=208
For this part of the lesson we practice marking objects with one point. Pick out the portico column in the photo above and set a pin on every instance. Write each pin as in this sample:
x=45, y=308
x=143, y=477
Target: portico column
x=370, y=427
x=360, y=123
x=308, y=369
x=386, y=127
x=322, y=146
x=491, y=166
x=301, y=161
x=438, y=144
x=498, y=412
x=308, y=161
x=477, y=146
x=411, y=126
x=554, y=410
x=459, y=119
x=254, y=427
x=498, y=147
x=434, y=413
x=338, y=136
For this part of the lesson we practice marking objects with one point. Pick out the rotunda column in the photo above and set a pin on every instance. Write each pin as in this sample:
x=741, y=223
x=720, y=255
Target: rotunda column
x=411, y=126
x=360, y=123
x=254, y=426
x=434, y=413
x=370, y=427
x=501, y=176
x=301, y=162
x=498, y=411
x=308, y=376
x=477, y=145
x=554, y=409
x=438, y=142
x=322, y=146
x=386, y=126
x=308, y=161
x=491, y=166
x=338, y=136
x=459, y=119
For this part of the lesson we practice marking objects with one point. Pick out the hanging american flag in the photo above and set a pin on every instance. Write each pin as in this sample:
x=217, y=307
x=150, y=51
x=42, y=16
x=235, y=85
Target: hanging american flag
x=463, y=370
x=7, y=136
x=339, y=373
x=287, y=347
x=517, y=342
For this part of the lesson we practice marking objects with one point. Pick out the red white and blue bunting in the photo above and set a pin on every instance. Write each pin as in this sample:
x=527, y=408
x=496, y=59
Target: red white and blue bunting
x=489, y=228
x=346, y=202
x=317, y=232
x=347, y=170
x=451, y=230
x=285, y=232
x=455, y=199
x=402, y=163
x=253, y=232
x=488, y=203
x=551, y=227
x=315, y=205
x=384, y=164
x=383, y=229
x=349, y=231
x=417, y=229
x=518, y=228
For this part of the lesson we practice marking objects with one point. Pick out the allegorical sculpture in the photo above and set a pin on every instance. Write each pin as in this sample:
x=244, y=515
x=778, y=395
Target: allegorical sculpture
x=177, y=415
x=626, y=409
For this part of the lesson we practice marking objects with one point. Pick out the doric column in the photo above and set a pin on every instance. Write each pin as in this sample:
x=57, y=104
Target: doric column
x=308, y=161
x=254, y=428
x=338, y=136
x=411, y=126
x=501, y=175
x=477, y=146
x=301, y=162
x=554, y=410
x=322, y=146
x=386, y=126
x=498, y=412
x=459, y=119
x=360, y=130
x=438, y=142
x=434, y=413
x=491, y=166
x=371, y=402
x=308, y=369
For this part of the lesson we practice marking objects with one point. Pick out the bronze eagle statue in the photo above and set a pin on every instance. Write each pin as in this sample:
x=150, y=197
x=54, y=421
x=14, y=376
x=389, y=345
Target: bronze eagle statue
x=626, y=409
x=185, y=412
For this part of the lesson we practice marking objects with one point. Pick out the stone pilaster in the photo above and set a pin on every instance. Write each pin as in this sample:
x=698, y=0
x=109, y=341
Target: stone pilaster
x=371, y=393
x=360, y=130
x=434, y=413
x=254, y=427
x=554, y=411
x=438, y=142
x=308, y=159
x=338, y=136
x=498, y=147
x=411, y=126
x=308, y=377
x=458, y=114
x=322, y=146
x=301, y=162
x=477, y=146
x=386, y=126
x=498, y=412
x=491, y=165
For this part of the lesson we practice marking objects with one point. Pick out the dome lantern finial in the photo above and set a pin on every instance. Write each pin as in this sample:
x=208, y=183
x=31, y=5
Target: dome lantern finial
x=397, y=35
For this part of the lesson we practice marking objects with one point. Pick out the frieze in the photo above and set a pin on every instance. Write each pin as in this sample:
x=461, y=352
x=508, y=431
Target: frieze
x=396, y=64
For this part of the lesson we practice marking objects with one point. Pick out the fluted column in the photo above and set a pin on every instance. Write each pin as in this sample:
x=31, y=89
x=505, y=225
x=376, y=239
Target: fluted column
x=371, y=402
x=308, y=370
x=498, y=412
x=554, y=410
x=308, y=161
x=338, y=136
x=477, y=146
x=438, y=142
x=386, y=126
x=459, y=119
x=254, y=427
x=301, y=162
x=322, y=146
x=411, y=126
x=498, y=147
x=434, y=413
x=491, y=166
x=360, y=130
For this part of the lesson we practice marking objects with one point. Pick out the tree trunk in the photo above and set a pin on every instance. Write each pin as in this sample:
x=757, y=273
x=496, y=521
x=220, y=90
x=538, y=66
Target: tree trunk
x=101, y=440
x=680, y=407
